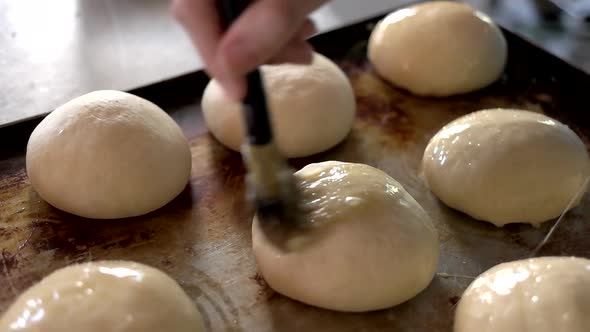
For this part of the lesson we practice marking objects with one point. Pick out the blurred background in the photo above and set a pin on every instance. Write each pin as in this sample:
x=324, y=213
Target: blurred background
x=52, y=51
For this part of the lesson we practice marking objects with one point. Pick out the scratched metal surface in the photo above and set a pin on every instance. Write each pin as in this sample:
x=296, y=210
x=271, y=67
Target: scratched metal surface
x=202, y=238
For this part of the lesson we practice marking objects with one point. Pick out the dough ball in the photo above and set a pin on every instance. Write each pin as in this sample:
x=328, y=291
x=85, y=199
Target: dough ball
x=372, y=246
x=545, y=294
x=312, y=108
x=108, y=154
x=506, y=166
x=438, y=49
x=114, y=296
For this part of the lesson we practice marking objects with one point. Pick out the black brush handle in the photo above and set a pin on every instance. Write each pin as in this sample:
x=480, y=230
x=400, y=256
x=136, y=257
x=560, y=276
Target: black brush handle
x=255, y=107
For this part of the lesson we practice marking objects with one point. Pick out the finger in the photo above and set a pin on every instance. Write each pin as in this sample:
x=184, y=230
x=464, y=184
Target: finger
x=307, y=30
x=260, y=33
x=201, y=21
x=297, y=52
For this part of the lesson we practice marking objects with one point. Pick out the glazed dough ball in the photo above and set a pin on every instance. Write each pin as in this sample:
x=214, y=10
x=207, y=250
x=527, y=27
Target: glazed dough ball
x=438, y=49
x=372, y=246
x=545, y=294
x=506, y=166
x=114, y=296
x=312, y=108
x=108, y=154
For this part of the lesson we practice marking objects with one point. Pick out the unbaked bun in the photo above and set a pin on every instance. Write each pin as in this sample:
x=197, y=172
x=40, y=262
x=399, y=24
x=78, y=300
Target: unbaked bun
x=438, y=48
x=506, y=166
x=371, y=246
x=312, y=108
x=113, y=296
x=545, y=294
x=108, y=154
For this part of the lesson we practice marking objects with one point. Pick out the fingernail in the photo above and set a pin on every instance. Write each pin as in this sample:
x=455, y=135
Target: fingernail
x=238, y=55
x=233, y=89
x=230, y=83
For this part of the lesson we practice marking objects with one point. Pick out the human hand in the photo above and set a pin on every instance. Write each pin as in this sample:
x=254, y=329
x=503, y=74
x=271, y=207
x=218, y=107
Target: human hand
x=268, y=31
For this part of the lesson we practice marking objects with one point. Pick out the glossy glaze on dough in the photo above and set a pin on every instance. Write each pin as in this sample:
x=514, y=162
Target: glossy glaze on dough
x=546, y=294
x=372, y=246
x=104, y=296
x=506, y=166
x=438, y=48
x=312, y=108
x=108, y=154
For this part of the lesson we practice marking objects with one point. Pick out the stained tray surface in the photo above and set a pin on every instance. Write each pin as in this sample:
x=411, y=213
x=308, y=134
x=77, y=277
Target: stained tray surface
x=202, y=238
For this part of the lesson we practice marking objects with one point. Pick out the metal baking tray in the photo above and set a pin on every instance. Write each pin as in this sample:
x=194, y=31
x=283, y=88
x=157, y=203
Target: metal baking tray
x=202, y=238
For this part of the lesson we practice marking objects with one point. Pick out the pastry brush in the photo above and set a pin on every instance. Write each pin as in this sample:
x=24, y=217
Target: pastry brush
x=270, y=181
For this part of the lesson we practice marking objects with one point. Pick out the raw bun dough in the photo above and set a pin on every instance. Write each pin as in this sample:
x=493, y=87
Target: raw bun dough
x=438, y=49
x=506, y=166
x=312, y=108
x=108, y=154
x=372, y=246
x=545, y=294
x=113, y=296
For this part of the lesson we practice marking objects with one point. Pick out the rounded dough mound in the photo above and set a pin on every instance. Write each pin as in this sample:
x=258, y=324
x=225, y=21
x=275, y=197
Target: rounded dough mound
x=108, y=154
x=312, y=108
x=438, y=49
x=372, y=246
x=506, y=166
x=543, y=294
x=114, y=296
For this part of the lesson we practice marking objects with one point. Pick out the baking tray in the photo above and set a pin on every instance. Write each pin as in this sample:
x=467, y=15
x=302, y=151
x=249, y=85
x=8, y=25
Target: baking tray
x=202, y=238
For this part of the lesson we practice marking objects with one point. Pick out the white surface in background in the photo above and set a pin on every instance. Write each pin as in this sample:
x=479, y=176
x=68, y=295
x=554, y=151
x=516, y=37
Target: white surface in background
x=338, y=13
x=52, y=51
